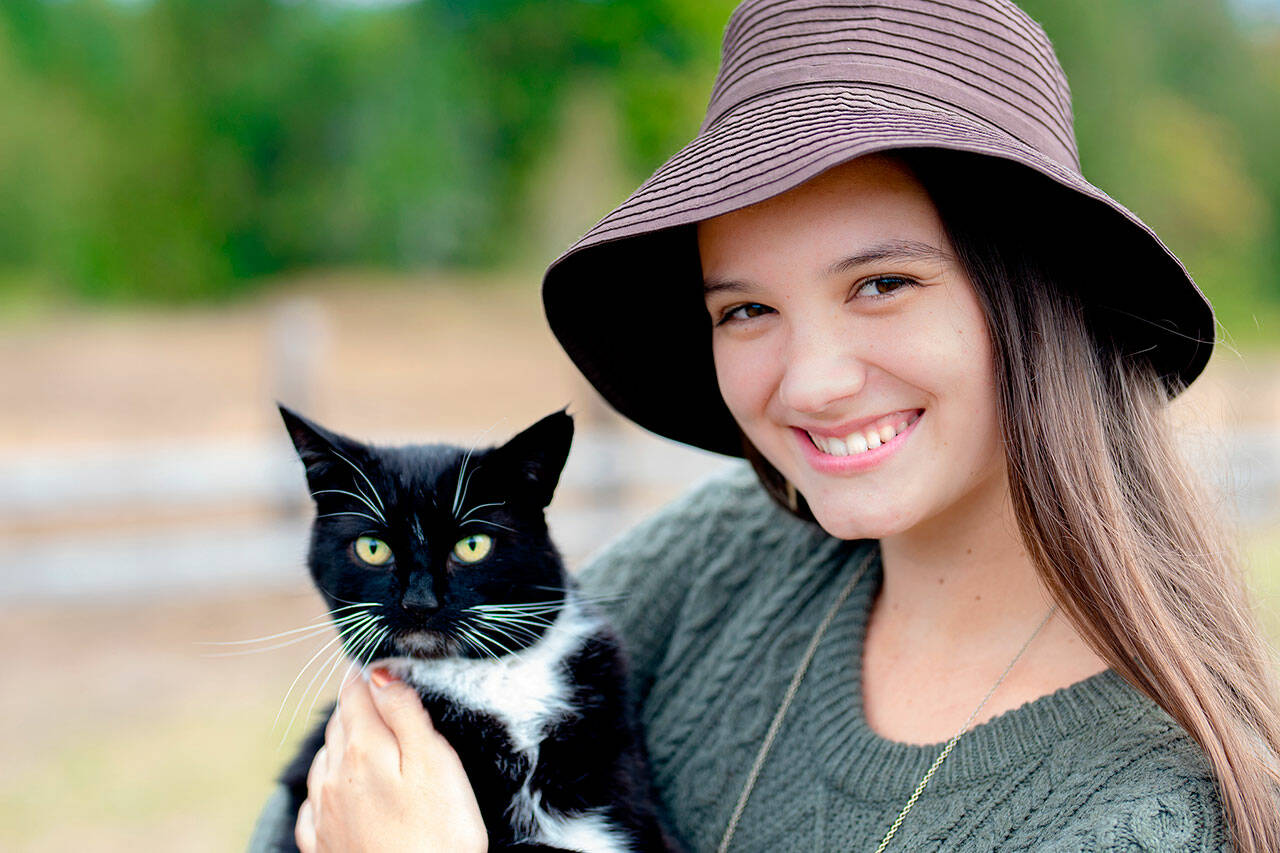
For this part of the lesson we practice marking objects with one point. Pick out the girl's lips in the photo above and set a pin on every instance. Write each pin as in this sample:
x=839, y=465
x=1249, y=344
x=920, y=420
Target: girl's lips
x=825, y=463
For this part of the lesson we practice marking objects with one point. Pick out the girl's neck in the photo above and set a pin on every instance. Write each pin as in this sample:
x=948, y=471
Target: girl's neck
x=958, y=579
x=955, y=605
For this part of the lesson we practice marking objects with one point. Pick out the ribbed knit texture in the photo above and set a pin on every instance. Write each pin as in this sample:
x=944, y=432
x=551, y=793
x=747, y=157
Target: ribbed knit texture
x=719, y=594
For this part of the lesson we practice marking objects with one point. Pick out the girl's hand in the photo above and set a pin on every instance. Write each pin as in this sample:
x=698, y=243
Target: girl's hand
x=385, y=779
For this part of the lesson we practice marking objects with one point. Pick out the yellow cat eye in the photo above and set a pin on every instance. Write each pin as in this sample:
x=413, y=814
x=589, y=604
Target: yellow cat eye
x=473, y=549
x=373, y=550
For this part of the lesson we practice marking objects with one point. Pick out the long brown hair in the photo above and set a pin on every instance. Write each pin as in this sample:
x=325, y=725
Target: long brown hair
x=1122, y=531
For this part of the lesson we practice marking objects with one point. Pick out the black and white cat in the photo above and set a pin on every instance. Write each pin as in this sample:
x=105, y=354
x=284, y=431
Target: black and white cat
x=439, y=560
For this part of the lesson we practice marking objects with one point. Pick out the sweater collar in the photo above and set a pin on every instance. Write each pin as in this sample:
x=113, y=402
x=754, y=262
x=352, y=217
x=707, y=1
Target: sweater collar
x=861, y=762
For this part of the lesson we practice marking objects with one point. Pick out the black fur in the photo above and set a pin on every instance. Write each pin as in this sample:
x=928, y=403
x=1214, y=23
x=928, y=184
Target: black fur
x=420, y=500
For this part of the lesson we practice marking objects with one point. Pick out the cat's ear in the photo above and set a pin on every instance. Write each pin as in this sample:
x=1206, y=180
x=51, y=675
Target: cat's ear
x=537, y=455
x=317, y=447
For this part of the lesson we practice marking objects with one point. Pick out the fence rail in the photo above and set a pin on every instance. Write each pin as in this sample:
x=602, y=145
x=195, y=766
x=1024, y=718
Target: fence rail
x=190, y=516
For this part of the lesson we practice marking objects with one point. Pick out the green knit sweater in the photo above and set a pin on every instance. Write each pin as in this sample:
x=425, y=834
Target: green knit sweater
x=716, y=597
x=720, y=594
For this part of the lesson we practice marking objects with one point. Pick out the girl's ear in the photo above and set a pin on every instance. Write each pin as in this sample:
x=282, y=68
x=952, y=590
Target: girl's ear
x=536, y=456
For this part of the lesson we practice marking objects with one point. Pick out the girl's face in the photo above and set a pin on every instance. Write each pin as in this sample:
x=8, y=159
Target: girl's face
x=850, y=347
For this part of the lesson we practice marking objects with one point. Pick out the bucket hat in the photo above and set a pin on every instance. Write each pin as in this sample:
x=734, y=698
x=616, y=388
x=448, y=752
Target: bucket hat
x=803, y=86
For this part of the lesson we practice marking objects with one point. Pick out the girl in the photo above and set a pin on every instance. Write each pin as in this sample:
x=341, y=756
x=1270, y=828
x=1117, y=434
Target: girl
x=966, y=596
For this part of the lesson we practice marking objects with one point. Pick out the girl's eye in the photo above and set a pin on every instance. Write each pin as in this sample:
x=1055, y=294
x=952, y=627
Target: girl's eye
x=473, y=549
x=892, y=282
x=745, y=311
x=373, y=550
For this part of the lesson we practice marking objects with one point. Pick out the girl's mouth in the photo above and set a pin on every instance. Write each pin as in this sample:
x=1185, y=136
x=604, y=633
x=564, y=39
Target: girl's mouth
x=860, y=449
x=860, y=441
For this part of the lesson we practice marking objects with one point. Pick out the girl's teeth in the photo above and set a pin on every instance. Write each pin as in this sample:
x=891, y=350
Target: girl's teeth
x=858, y=442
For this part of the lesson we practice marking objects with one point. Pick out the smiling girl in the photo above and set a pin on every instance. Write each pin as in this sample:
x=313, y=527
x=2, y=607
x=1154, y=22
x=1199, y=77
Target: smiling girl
x=967, y=595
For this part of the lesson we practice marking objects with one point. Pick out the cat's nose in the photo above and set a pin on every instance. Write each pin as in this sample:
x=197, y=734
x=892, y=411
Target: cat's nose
x=420, y=601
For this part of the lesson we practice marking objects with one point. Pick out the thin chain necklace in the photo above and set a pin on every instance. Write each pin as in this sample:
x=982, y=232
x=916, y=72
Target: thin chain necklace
x=794, y=687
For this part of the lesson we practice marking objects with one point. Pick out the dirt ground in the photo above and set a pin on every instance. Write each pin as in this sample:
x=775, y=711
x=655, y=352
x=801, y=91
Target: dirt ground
x=118, y=732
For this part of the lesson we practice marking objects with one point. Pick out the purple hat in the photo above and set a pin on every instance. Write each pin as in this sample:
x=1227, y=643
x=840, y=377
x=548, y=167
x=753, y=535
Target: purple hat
x=804, y=86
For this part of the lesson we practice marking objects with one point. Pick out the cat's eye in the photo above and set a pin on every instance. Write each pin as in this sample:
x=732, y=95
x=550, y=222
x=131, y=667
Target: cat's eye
x=473, y=549
x=373, y=550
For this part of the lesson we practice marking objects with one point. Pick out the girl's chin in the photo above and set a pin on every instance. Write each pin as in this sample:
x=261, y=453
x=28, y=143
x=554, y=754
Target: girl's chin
x=845, y=523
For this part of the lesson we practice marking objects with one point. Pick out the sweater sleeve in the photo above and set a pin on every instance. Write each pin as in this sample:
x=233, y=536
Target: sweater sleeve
x=642, y=577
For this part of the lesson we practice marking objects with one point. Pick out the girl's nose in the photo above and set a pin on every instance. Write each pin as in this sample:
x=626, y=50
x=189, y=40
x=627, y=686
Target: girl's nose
x=821, y=369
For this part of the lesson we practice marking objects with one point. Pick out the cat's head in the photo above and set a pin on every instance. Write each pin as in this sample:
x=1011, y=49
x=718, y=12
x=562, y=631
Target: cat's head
x=434, y=550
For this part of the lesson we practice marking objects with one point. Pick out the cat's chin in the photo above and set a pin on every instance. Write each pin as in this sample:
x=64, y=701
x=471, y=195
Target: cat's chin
x=425, y=645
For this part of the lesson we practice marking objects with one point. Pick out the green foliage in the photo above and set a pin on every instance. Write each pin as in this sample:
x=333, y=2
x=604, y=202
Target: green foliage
x=183, y=149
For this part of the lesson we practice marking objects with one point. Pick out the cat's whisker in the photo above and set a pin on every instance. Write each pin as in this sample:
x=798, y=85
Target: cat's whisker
x=359, y=497
x=537, y=609
x=531, y=618
x=357, y=659
x=536, y=627
x=514, y=616
x=319, y=628
x=459, y=488
x=322, y=629
x=489, y=638
x=303, y=697
x=501, y=628
x=486, y=521
x=320, y=587
x=369, y=645
x=360, y=471
x=305, y=667
x=462, y=501
x=461, y=637
x=479, y=507
x=361, y=514
x=333, y=662
x=480, y=641
x=581, y=596
x=370, y=631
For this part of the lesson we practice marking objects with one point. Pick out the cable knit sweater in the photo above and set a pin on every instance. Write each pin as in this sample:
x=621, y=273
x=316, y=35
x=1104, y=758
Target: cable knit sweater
x=720, y=594
x=716, y=597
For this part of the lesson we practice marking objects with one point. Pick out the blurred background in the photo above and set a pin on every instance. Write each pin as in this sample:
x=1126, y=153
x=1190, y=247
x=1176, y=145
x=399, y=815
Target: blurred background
x=347, y=206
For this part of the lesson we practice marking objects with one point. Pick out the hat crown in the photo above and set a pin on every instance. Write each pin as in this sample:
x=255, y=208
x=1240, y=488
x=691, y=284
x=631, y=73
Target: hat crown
x=984, y=60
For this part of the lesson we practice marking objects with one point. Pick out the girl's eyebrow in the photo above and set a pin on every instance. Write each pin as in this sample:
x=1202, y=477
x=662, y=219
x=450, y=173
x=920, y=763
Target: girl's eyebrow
x=891, y=250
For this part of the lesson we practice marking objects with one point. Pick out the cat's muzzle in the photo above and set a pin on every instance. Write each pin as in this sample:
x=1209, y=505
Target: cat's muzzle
x=425, y=644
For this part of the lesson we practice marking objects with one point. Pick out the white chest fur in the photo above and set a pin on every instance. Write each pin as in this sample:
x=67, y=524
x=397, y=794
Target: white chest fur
x=526, y=693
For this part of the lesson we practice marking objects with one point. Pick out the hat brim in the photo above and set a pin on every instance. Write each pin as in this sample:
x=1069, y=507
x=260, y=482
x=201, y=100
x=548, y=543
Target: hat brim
x=625, y=300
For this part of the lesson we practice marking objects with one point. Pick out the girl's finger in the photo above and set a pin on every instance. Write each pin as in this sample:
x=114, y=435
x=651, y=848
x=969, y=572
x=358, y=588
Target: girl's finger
x=334, y=737
x=304, y=830
x=401, y=710
x=318, y=772
x=361, y=722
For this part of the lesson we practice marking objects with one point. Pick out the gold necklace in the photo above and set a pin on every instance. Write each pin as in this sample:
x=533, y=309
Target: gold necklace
x=794, y=687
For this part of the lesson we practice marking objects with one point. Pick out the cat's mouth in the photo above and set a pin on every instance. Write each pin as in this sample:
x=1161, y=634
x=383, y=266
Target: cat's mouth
x=425, y=644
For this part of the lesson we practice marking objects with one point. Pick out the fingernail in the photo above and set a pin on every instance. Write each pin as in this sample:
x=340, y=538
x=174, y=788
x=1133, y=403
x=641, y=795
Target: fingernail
x=381, y=676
